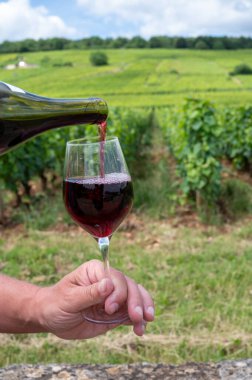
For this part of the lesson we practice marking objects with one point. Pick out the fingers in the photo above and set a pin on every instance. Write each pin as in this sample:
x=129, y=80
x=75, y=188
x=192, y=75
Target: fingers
x=140, y=306
x=119, y=296
x=135, y=302
x=84, y=280
x=88, y=287
x=135, y=307
x=148, y=304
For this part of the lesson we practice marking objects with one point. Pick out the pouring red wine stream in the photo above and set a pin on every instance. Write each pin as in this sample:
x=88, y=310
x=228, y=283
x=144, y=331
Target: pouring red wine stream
x=102, y=132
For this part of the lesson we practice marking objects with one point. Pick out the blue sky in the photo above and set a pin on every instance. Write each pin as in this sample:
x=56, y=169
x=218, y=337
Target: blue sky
x=111, y=18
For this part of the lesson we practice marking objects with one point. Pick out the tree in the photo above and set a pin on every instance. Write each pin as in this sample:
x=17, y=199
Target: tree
x=137, y=42
x=218, y=45
x=96, y=41
x=119, y=42
x=155, y=42
x=201, y=44
x=180, y=43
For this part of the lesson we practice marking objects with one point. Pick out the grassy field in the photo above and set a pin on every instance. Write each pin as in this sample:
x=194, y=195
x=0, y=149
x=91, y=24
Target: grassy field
x=136, y=77
x=199, y=276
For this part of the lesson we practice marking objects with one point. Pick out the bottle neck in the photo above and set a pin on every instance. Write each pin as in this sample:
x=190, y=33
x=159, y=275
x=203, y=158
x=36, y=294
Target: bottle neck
x=29, y=106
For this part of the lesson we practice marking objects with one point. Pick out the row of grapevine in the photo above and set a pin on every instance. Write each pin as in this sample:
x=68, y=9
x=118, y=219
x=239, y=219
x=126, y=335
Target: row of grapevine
x=201, y=137
x=237, y=137
x=43, y=156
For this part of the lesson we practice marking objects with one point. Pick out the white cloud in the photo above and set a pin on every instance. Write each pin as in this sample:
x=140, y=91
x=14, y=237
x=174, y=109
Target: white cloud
x=19, y=20
x=176, y=17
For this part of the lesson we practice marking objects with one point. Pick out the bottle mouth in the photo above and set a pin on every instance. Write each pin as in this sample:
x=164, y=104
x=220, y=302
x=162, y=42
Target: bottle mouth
x=100, y=106
x=92, y=140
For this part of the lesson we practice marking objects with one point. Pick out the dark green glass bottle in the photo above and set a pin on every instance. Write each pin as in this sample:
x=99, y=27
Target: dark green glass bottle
x=24, y=115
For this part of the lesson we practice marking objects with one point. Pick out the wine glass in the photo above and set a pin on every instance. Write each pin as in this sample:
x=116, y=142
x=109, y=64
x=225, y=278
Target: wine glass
x=98, y=195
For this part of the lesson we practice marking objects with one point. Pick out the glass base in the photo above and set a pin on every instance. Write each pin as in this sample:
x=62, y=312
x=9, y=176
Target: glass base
x=97, y=314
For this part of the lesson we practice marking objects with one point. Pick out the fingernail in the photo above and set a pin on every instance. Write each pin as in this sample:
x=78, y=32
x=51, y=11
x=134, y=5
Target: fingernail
x=139, y=328
x=113, y=307
x=139, y=310
x=103, y=286
x=150, y=311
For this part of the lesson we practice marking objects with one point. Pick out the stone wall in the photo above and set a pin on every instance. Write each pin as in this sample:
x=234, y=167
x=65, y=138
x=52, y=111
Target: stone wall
x=228, y=370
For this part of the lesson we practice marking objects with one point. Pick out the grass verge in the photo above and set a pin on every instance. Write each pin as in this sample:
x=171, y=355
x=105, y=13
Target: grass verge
x=199, y=276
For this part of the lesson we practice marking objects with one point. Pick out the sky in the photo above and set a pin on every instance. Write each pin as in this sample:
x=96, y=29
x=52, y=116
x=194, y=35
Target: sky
x=77, y=19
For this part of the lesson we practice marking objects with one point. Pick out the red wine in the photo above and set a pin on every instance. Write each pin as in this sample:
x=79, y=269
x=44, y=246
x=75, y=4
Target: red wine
x=97, y=204
x=102, y=132
x=24, y=115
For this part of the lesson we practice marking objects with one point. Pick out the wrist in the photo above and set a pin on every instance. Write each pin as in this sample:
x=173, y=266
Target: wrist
x=31, y=321
x=41, y=307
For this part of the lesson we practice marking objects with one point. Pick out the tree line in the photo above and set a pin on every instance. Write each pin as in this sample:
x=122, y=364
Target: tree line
x=201, y=42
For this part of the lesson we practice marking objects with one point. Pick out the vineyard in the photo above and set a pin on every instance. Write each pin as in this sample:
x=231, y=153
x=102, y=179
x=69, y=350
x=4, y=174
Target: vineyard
x=207, y=145
x=185, y=126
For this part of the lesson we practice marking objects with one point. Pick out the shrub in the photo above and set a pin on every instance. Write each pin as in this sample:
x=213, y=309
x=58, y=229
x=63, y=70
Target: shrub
x=242, y=69
x=46, y=60
x=98, y=58
x=63, y=64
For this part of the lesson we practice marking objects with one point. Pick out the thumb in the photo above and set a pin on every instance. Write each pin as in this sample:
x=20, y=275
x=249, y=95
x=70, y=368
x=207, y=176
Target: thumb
x=86, y=296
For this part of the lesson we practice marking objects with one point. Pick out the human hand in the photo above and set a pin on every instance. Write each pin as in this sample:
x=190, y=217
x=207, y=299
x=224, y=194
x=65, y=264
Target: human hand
x=60, y=307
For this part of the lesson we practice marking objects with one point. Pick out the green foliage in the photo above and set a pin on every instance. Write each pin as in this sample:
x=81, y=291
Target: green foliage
x=237, y=136
x=242, y=69
x=134, y=129
x=45, y=61
x=193, y=137
x=218, y=45
x=180, y=43
x=155, y=194
x=200, y=137
x=99, y=58
x=203, y=42
x=36, y=158
x=45, y=154
x=137, y=42
x=63, y=64
x=236, y=198
x=165, y=118
x=138, y=77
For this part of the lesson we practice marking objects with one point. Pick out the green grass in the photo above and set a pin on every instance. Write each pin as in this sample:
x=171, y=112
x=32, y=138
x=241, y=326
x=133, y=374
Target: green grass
x=136, y=77
x=200, y=278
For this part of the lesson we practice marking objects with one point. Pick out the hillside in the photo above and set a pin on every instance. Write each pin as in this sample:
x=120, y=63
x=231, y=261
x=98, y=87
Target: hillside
x=135, y=77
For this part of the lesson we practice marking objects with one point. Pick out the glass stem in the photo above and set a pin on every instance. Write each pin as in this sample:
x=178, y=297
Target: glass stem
x=104, y=248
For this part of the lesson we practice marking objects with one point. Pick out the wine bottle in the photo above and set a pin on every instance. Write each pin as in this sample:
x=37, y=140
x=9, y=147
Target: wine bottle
x=24, y=115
